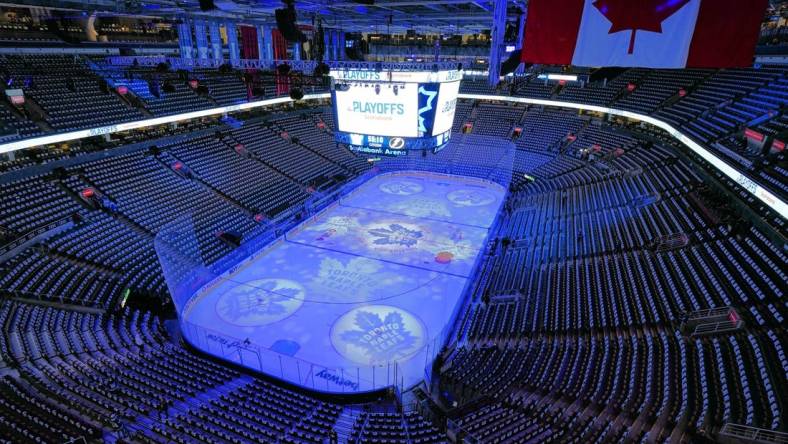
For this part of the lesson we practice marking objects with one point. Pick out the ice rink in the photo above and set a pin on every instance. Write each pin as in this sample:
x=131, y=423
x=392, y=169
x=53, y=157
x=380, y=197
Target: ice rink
x=370, y=280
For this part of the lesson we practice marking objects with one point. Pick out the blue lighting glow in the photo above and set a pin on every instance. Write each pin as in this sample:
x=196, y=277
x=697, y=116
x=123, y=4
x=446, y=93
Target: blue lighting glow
x=390, y=260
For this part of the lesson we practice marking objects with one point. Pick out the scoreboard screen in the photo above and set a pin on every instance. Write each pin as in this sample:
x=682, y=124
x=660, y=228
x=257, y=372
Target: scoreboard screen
x=386, y=112
x=444, y=112
x=390, y=113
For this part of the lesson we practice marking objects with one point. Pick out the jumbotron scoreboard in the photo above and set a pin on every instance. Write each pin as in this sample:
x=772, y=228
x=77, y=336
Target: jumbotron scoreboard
x=388, y=112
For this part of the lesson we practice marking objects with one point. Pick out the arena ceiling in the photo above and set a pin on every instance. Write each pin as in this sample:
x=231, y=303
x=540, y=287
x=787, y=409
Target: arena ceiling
x=445, y=17
x=379, y=16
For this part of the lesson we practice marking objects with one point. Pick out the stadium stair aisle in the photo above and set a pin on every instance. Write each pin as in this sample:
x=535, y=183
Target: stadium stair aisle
x=145, y=423
x=572, y=332
x=195, y=176
x=260, y=159
x=68, y=186
x=344, y=423
x=310, y=149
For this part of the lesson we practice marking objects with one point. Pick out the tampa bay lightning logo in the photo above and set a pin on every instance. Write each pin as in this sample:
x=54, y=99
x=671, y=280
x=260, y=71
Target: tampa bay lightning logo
x=396, y=143
x=470, y=198
x=377, y=334
x=260, y=302
x=401, y=187
x=396, y=234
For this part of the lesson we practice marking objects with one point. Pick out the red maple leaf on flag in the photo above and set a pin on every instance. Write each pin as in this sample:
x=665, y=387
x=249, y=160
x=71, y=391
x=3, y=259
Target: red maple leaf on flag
x=646, y=15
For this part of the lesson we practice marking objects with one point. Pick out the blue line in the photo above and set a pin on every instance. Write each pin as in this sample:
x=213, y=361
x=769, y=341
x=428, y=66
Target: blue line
x=375, y=258
x=342, y=204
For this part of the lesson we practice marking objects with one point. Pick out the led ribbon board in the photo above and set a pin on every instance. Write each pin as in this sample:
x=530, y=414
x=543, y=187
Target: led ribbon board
x=762, y=194
x=137, y=124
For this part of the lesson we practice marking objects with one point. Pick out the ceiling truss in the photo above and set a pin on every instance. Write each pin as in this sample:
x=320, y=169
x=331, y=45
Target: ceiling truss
x=446, y=17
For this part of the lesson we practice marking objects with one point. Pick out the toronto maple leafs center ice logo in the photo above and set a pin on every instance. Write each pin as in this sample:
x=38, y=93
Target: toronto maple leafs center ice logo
x=401, y=187
x=395, y=234
x=260, y=302
x=376, y=334
x=470, y=198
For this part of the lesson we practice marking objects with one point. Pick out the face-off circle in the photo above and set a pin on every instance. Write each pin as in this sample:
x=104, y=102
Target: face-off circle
x=260, y=302
x=401, y=187
x=377, y=334
x=470, y=198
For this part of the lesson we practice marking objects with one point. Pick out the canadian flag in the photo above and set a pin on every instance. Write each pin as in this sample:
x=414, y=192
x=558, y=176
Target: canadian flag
x=647, y=33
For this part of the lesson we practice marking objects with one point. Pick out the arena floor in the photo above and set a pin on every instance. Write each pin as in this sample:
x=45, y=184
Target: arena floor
x=370, y=280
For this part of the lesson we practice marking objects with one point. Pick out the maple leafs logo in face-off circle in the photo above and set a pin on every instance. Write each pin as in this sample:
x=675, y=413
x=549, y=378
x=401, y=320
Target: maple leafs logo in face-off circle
x=260, y=302
x=470, y=198
x=641, y=15
x=377, y=334
x=401, y=187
